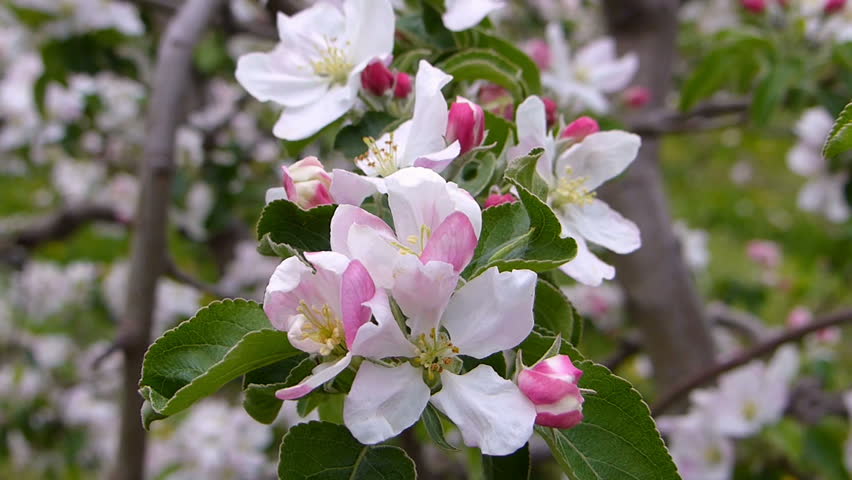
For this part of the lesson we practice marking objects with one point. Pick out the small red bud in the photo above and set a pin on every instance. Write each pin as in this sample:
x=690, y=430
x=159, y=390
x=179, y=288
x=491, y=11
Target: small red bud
x=403, y=85
x=550, y=110
x=834, y=6
x=466, y=124
x=497, y=100
x=580, y=129
x=637, y=96
x=376, y=78
x=539, y=51
x=754, y=6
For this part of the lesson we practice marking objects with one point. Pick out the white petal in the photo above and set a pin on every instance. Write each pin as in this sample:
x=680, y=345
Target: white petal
x=439, y=160
x=784, y=366
x=599, y=224
x=814, y=125
x=531, y=118
x=320, y=374
x=586, y=267
x=804, y=160
x=265, y=77
x=813, y=195
x=464, y=14
x=277, y=193
x=342, y=221
x=465, y=203
x=595, y=53
x=492, y=312
x=322, y=19
x=580, y=96
x=417, y=197
x=615, y=75
x=559, y=52
x=384, y=401
x=376, y=251
x=429, y=123
x=369, y=29
x=489, y=410
x=599, y=157
x=423, y=291
x=298, y=123
x=349, y=188
x=383, y=338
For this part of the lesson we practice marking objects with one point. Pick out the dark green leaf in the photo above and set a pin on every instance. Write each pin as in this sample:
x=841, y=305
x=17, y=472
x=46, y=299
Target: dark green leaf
x=522, y=171
x=435, y=427
x=477, y=173
x=285, y=229
x=481, y=64
x=529, y=69
x=554, y=312
x=770, y=93
x=325, y=451
x=538, y=344
x=617, y=438
x=260, y=385
x=501, y=132
x=839, y=141
x=350, y=139
x=223, y=341
x=510, y=467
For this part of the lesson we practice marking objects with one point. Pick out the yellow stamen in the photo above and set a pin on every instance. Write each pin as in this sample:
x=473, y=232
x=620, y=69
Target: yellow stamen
x=332, y=63
x=322, y=327
x=571, y=190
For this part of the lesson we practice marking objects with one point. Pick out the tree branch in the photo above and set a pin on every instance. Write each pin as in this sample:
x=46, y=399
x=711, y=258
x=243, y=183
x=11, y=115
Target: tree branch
x=708, y=116
x=148, y=258
x=260, y=29
x=680, y=391
x=175, y=273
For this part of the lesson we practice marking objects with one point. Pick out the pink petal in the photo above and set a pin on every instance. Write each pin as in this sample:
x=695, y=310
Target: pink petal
x=356, y=288
x=344, y=218
x=452, y=242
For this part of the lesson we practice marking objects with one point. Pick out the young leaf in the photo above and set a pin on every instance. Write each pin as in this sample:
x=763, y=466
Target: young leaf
x=617, y=438
x=839, y=140
x=500, y=133
x=478, y=38
x=223, y=341
x=538, y=345
x=770, y=92
x=510, y=467
x=321, y=450
x=260, y=386
x=435, y=428
x=522, y=171
x=477, y=173
x=481, y=64
x=554, y=312
x=350, y=139
x=285, y=229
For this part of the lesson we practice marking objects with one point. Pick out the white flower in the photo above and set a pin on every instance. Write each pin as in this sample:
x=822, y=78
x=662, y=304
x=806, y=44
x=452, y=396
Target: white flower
x=581, y=82
x=464, y=14
x=697, y=447
x=248, y=269
x=77, y=181
x=823, y=193
x=602, y=303
x=315, y=70
x=199, y=204
x=712, y=15
x=693, y=244
x=752, y=396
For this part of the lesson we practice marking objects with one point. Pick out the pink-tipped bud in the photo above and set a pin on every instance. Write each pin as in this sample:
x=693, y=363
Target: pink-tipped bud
x=376, y=78
x=539, y=51
x=764, y=253
x=551, y=385
x=551, y=110
x=637, y=96
x=799, y=317
x=466, y=123
x=402, y=86
x=834, y=6
x=497, y=199
x=580, y=129
x=754, y=6
x=497, y=100
x=307, y=184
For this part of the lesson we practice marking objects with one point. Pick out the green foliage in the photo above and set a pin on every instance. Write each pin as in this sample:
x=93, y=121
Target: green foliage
x=770, y=92
x=480, y=64
x=477, y=38
x=325, y=451
x=350, y=139
x=223, y=341
x=554, y=312
x=285, y=229
x=260, y=385
x=521, y=171
x=540, y=343
x=617, y=438
x=434, y=426
x=839, y=141
x=509, y=467
x=478, y=173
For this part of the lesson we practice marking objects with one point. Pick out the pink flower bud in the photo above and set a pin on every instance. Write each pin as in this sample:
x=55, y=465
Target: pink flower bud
x=764, y=253
x=833, y=6
x=466, y=124
x=550, y=110
x=539, y=51
x=376, y=78
x=551, y=385
x=306, y=183
x=497, y=100
x=580, y=129
x=496, y=199
x=754, y=6
x=402, y=87
x=637, y=96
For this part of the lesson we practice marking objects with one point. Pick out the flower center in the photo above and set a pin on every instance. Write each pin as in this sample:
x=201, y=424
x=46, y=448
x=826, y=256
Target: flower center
x=322, y=326
x=750, y=410
x=381, y=155
x=434, y=352
x=713, y=455
x=332, y=62
x=582, y=75
x=571, y=190
x=414, y=244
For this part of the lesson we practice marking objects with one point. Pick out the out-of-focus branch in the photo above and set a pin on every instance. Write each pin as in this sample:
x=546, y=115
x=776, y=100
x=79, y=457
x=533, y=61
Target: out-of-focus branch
x=259, y=29
x=628, y=346
x=707, y=116
x=148, y=258
x=670, y=397
x=745, y=323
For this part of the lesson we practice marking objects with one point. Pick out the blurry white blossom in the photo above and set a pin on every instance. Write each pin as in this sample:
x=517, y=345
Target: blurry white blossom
x=693, y=244
x=248, y=270
x=76, y=181
x=602, y=304
x=711, y=16
x=121, y=101
x=198, y=206
x=44, y=289
x=698, y=448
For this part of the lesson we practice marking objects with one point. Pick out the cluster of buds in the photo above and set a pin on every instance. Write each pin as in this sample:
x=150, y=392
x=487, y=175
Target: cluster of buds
x=378, y=80
x=307, y=184
x=551, y=385
x=465, y=123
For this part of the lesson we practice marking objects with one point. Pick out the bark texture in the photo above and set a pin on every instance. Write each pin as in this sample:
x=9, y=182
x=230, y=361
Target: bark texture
x=661, y=295
x=148, y=259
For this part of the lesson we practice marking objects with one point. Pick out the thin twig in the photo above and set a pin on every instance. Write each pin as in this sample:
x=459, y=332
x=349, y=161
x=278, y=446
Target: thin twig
x=669, y=398
x=707, y=116
x=175, y=273
x=745, y=323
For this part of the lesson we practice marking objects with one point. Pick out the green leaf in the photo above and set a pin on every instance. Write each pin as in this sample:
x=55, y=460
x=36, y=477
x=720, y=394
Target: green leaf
x=523, y=234
x=500, y=133
x=350, y=139
x=510, y=467
x=538, y=344
x=260, y=385
x=223, y=341
x=522, y=171
x=476, y=175
x=285, y=229
x=435, y=427
x=839, y=141
x=617, y=438
x=770, y=93
x=481, y=64
x=553, y=311
x=478, y=38
x=325, y=451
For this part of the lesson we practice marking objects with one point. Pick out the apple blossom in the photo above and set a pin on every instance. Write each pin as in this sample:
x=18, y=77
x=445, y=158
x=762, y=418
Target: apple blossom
x=581, y=82
x=488, y=314
x=552, y=386
x=698, y=448
x=464, y=14
x=551, y=110
x=315, y=70
x=321, y=312
x=466, y=123
x=578, y=172
x=832, y=6
x=539, y=51
x=306, y=183
x=693, y=245
x=602, y=304
x=376, y=78
x=764, y=252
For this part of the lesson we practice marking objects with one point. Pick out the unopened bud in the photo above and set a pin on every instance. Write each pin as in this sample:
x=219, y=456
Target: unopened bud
x=637, y=96
x=376, y=78
x=466, y=124
x=402, y=87
x=539, y=51
x=307, y=184
x=497, y=100
x=754, y=6
x=834, y=6
x=497, y=199
x=580, y=129
x=551, y=110
x=551, y=385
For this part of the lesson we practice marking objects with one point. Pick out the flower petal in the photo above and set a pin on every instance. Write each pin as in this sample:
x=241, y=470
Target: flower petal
x=429, y=122
x=492, y=312
x=321, y=374
x=600, y=224
x=378, y=252
x=342, y=221
x=349, y=188
x=804, y=160
x=356, y=288
x=439, y=160
x=277, y=193
x=383, y=338
x=369, y=30
x=321, y=19
x=423, y=291
x=298, y=123
x=586, y=267
x=464, y=14
x=490, y=411
x=599, y=157
x=531, y=118
x=264, y=76
x=616, y=75
x=384, y=401
x=452, y=242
